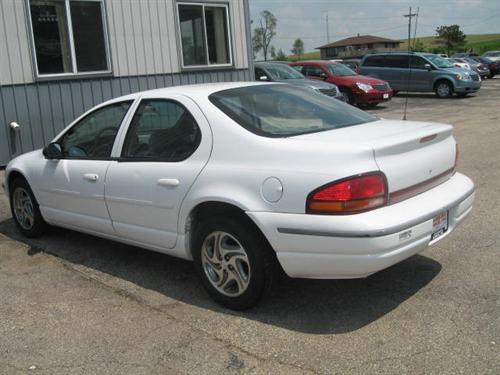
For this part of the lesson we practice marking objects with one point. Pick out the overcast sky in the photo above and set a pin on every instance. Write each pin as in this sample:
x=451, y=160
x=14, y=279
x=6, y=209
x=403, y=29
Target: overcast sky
x=307, y=18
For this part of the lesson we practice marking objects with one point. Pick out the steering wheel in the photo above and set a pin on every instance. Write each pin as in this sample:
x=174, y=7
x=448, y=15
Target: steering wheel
x=98, y=144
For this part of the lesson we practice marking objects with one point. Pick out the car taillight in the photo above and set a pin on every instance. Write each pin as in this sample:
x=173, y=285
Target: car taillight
x=349, y=196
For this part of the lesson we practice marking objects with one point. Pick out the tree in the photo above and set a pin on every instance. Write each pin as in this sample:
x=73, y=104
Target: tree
x=298, y=47
x=263, y=34
x=418, y=46
x=280, y=56
x=450, y=37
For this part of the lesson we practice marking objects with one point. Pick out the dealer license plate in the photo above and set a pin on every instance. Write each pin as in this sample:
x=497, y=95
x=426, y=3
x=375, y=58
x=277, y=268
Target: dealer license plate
x=439, y=225
x=386, y=96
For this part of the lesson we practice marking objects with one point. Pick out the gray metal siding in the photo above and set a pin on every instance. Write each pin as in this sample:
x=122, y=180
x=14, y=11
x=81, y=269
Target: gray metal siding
x=142, y=38
x=43, y=109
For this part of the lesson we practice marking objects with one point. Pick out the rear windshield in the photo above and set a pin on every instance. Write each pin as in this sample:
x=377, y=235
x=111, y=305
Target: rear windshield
x=283, y=111
x=282, y=72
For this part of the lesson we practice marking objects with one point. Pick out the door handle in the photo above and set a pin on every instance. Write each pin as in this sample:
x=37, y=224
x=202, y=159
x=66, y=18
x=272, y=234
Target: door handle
x=168, y=182
x=91, y=177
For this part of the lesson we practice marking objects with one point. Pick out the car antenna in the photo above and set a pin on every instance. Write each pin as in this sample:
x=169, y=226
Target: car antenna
x=409, y=16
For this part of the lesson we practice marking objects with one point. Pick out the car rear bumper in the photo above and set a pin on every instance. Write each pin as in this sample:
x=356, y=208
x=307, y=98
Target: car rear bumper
x=354, y=246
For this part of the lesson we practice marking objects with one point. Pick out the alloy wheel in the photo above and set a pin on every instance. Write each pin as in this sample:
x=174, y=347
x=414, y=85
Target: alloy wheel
x=225, y=263
x=23, y=208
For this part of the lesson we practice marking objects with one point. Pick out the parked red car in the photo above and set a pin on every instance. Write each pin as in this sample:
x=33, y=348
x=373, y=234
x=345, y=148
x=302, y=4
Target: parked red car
x=357, y=89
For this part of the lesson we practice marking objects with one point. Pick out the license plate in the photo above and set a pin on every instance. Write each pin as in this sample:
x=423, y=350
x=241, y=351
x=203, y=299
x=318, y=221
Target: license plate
x=386, y=96
x=439, y=225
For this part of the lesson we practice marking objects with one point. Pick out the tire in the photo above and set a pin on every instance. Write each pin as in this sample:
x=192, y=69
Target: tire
x=246, y=274
x=394, y=92
x=443, y=89
x=491, y=75
x=348, y=96
x=25, y=209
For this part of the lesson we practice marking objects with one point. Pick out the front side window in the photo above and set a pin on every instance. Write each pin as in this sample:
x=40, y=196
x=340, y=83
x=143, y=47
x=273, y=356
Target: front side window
x=68, y=36
x=161, y=130
x=204, y=31
x=94, y=135
x=284, y=111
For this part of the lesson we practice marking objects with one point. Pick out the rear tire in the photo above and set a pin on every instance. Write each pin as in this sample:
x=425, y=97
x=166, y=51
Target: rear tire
x=25, y=209
x=234, y=261
x=443, y=89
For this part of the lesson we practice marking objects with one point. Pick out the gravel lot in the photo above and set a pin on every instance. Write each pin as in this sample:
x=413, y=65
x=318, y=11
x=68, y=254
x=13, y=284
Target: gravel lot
x=74, y=304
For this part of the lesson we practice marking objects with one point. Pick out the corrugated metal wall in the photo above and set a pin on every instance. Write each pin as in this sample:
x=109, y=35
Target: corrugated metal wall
x=143, y=46
x=142, y=38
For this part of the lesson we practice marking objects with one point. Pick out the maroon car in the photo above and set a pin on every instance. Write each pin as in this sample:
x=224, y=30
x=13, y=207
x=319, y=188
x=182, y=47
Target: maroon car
x=357, y=89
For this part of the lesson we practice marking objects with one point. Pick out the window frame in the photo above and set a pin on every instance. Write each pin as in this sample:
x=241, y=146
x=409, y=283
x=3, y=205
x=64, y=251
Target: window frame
x=125, y=159
x=69, y=22
x=208, y=66
x=85, y=116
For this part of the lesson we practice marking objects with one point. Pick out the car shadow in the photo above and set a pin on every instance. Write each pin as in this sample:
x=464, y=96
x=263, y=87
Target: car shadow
x=309, y=306
x=431, y=95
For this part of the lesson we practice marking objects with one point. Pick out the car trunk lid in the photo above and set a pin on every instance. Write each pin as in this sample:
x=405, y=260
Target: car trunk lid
x=409, y=153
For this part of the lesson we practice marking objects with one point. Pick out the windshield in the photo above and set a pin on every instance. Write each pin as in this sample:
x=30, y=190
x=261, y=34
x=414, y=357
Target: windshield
x=340, y=70
x=282, y=72
x=284, y=111
x=439, y=61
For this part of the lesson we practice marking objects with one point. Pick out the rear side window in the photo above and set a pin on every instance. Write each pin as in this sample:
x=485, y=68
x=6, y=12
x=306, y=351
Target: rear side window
x=161, y=130
x=374, y=61
x=397, y=61
x=284, y=111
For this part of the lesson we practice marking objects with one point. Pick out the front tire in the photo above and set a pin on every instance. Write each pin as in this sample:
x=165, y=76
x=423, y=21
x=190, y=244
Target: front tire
x=347, y=95
x=443, y=89
x=234, y=261
x=25, y=209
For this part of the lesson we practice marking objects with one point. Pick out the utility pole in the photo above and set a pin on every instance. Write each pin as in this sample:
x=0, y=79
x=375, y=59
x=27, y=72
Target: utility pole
x=409, y=16
x=327, y=29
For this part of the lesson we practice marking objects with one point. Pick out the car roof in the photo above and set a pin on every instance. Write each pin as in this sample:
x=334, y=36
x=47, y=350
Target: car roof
x=318, y=62
x=195, y=90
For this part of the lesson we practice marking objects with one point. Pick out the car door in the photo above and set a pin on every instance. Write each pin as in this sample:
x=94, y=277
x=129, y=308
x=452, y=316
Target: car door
x=164, y=148
x=71, y=189
x=421, y=77
x=397, y=71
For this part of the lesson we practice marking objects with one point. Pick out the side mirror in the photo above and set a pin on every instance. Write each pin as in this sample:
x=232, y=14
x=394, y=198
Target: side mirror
x=263, y=78
x=52, y=151
x=428, y=67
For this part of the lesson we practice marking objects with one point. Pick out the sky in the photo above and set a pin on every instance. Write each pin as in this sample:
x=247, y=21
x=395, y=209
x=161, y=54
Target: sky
x=306, y=19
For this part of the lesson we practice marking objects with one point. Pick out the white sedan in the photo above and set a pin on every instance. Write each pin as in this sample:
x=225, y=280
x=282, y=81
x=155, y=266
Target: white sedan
x=243, y=178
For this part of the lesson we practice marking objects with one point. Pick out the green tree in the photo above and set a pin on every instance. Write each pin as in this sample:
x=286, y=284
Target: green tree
x=450, y=37
x=418, y=46
x=280, y=56
x=263, y=34
x=298, y=47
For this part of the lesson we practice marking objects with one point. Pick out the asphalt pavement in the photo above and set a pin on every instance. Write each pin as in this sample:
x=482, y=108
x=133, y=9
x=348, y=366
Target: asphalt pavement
x=74, y=304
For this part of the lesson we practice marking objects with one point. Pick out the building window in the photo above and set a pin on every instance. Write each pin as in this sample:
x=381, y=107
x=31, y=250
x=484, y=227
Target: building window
x=69, y=37
x=204, y=32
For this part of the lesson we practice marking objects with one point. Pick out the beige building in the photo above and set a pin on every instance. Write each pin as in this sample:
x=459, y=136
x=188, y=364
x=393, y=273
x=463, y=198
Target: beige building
x=358, y=46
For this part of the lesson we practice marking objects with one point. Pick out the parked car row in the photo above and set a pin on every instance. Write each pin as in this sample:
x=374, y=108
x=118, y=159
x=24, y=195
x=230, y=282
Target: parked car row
x=330, y=78
x=378, y=77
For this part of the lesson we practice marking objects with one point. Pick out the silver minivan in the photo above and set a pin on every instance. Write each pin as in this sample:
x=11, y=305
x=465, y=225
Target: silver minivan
x=429, y=72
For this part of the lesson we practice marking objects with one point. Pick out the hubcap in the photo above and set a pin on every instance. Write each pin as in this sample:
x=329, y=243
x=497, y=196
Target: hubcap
x=23, y=208
x=443, y=90
x=225, y=263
